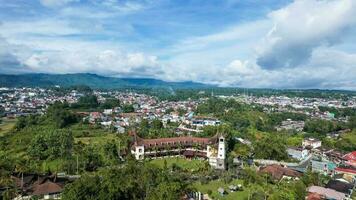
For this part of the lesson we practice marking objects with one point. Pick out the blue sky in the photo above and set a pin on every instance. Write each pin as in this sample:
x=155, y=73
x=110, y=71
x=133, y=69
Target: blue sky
x=244, y=43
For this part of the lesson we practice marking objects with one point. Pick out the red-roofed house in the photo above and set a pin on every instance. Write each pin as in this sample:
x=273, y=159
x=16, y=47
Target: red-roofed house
x=350, y=158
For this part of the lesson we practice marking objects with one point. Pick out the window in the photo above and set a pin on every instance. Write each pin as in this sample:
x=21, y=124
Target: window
x=221, y=140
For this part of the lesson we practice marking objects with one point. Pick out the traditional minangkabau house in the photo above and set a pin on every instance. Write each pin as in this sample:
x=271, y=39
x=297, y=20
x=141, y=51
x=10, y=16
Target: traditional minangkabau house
x=212, y=149
x=39, y=186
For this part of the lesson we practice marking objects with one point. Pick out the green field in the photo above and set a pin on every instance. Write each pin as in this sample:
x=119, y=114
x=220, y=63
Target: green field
x=6, y=125
x=185, y=164
x=214, y=185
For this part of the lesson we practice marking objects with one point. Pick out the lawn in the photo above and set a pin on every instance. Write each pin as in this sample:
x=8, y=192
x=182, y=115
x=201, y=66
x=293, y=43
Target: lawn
x=214, y=185
x=102, y=139
x=192, y=165
x=6, y=125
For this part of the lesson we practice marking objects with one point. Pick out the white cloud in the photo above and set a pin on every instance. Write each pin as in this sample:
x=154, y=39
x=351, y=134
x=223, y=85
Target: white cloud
x=303, y=26
x=107, y=62
x=56, y=3
x=297, y=46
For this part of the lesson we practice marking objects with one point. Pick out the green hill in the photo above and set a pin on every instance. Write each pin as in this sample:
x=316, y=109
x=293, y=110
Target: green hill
x=91, y=80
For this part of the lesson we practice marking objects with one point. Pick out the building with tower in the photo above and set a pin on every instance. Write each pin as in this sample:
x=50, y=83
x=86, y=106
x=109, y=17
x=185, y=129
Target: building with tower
x=213, y=149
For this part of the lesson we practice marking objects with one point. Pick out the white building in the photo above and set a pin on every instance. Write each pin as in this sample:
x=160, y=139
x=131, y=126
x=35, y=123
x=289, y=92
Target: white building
x=311, y=142
x=298, y=153
x=213, y=149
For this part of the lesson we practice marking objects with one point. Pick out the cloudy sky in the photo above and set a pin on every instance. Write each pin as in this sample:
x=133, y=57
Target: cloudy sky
x=244, y=43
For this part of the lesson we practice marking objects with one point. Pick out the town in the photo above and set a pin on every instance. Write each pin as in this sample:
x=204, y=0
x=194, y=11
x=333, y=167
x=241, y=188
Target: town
x=231, y=146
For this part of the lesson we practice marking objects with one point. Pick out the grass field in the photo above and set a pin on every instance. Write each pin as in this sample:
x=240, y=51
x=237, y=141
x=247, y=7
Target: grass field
x=214, y=185
x=192, y=165
x=6, y=125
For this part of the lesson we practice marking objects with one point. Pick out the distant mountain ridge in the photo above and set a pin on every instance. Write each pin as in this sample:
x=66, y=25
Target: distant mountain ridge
x=91, y=80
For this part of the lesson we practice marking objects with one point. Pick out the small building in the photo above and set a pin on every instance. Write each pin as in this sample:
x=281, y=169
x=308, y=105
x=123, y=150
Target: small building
x=350, y=158
x=312, y=143
x=108, y=111
x=278, y=172
x=340, y=186
x=298, y=153
x=323, y=166
x=221, y=191
x=204, y=121
x=348, y=172
x=326, y=193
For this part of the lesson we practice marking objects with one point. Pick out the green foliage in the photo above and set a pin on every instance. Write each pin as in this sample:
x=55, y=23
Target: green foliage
x=154, y=129
x=110, y=103
x=87, y=102
x=51, y=145
x=271, y=146
x=59, y=115
x=132, y=181
x=128, y=108
x=92, y=158
x=85, y=188
x=339, y=112
x=347, y=142
x=352, y=122
x=321, y=126
x=24, y=121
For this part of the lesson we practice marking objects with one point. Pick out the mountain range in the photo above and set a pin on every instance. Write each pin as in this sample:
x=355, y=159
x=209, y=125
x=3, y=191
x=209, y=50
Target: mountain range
x=91, y=80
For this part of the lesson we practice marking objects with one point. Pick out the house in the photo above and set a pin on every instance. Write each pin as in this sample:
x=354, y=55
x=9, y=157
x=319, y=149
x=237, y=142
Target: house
x=200, y=121
x=322, y=166
x=278, y=172
x=48, y=190
x=119, y=129
x=94, y=117
x=106, y=123
x=314, y=196
x=40, y=186
x=290, y=125
x=108, y=111
x=298, y=153
x=350, y=158
x=221, y=191
x=312, y=143
x=348, y=172
x=340, y=186
x=326, y=193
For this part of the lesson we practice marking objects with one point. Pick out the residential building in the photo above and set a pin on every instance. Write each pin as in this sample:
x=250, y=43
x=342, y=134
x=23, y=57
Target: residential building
x=298, y=153
x=312, y=143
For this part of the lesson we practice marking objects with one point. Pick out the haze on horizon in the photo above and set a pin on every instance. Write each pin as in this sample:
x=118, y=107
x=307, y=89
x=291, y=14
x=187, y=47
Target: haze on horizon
x=244, y=43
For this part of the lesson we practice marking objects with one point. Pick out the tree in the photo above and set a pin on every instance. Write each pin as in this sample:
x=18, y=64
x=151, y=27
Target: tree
x=128, y=108
x=352, y=122
x=87, y=102
x=84, y=188
x=53, y=144
x=157, y=124
x=110, y=103
x=133, y=181
x=60, y=115
x=92, y=158
x=271, y=147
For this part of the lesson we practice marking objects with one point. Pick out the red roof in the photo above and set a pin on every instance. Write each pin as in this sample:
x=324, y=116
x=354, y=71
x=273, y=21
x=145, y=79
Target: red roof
x=173, y=141
x=314, y=196
x=47, y=188
x=350, y=156
x=346, y=170
x=277, y=171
